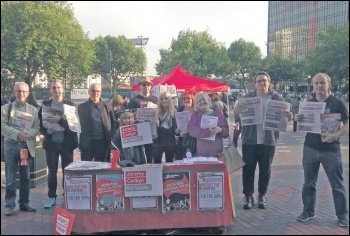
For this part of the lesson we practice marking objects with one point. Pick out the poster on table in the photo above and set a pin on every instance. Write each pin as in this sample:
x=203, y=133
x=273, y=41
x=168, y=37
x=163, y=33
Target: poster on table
x=63, y=221
x=208, y=122
x=176, y=191
x=109, y=192
x=275, y=118
x=144, y=202
x=182, y=119
x=210, y=190
x=136, y=134
x=78, y=192
x=148, y=115
x=251, y=110
x=142, y=181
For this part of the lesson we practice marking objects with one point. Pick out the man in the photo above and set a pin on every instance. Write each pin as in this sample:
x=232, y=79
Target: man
x=17, y=138
x=141, y=101
x=98, y=125
x=56, y=141
x=324, y=149
x=258, y=145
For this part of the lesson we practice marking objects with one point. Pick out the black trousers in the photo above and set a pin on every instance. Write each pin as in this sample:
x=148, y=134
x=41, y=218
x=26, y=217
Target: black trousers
x=253, y=155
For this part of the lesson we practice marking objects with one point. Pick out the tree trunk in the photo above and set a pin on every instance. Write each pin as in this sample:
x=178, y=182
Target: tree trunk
x=31, y=98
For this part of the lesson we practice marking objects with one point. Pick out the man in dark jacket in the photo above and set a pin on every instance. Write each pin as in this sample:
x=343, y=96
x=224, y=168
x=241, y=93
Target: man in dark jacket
x=58, y=139
x=98, y=125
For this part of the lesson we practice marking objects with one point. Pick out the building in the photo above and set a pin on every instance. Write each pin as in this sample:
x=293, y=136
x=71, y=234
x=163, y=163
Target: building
x=141, y=42
x=293, y=25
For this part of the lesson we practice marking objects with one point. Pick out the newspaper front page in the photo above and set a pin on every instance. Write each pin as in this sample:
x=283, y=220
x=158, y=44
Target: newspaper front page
x=311, y=121
x=275, y=118
x=251, y=112
x=49, y=113
x=21, y=121
x=72, y=118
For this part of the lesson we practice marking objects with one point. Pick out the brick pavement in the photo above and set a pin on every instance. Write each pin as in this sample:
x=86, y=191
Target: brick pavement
x=279, y=218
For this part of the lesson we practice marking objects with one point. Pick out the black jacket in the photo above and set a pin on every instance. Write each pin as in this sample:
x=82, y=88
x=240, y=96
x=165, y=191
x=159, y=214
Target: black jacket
x=70, y=140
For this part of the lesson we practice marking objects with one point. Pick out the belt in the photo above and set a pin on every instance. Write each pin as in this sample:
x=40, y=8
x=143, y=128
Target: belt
x=14, y=141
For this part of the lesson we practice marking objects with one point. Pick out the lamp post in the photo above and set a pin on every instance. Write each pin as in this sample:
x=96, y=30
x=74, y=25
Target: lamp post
x=141, y=48
x=308, y=83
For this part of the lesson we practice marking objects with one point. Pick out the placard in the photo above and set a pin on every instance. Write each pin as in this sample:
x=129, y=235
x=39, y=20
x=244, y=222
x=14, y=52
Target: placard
x=109, y=192
x=78, y=192
x=63, y=221
x=136, y=134
x=210, y=190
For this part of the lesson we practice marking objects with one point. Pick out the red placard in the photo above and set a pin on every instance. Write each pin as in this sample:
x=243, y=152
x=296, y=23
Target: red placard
x=63, y=221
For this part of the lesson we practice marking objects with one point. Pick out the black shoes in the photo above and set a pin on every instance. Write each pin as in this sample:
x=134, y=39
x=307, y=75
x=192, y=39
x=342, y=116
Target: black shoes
x=261, y=201
x=9, y=211
x=27, y=207
x=248, y=202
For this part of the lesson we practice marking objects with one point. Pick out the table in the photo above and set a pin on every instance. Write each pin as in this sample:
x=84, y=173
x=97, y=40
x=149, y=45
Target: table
x=88, y=221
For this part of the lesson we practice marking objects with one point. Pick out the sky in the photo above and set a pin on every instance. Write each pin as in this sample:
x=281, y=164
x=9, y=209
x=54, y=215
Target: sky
x=162, y=21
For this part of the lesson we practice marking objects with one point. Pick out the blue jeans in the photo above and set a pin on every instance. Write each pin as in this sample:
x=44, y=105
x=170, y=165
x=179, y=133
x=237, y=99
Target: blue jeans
x=256, y=154
x=332, y=165
x=52, y=156
x=12, y=161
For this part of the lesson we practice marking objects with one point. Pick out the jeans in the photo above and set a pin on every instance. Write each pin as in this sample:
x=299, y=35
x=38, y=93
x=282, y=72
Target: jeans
x=256, y=154
x=332, y=165
x=170, y=152
x=98, y=151
x=12, y=161
x=52, y=165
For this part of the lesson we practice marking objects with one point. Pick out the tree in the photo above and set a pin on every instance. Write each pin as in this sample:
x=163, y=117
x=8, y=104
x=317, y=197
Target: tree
x=245, y=58
x=331, y=55
x=117, y=58
x=43, y=35
x=198, y=52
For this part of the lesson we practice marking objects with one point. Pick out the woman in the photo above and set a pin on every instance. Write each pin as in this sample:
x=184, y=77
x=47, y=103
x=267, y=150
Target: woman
x=135, y=153
x=205, y=147
x=166, y=124
x=186, y=104
x=118, y=107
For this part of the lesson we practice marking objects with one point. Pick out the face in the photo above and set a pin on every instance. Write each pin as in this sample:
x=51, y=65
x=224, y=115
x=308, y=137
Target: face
x=320, y=85
x=187, y=101
x=128, y=120
x=95, y=93
x=145, y=87
x=203, y=105
x=57, y=90
x=21, y=93
x=262, y=83
x=164, y=100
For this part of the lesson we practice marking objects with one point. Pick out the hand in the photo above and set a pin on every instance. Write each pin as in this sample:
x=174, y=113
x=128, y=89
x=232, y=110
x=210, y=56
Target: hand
x=64, y=117
x=288, y=114
x=177, y=131
x=328, y=137
x=298, y=117
x=22, y=136
x=156, y=122
x=215, y=130
x=53, y=119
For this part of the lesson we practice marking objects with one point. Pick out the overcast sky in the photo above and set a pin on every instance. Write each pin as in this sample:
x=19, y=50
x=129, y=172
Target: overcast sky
x=162, y=21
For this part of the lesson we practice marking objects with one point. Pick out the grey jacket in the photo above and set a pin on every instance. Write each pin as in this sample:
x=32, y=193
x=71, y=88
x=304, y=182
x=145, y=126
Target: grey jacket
x=249, y=132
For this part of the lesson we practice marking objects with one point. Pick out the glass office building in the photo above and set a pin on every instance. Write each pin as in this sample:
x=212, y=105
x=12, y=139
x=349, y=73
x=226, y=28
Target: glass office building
x=293, y=25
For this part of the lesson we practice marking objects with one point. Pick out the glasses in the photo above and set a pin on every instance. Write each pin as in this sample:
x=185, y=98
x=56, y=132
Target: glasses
x=95, y=91
x=186, y=98
x=262, y=81
x=145, y=85
x=55, y=87
x=21, y=91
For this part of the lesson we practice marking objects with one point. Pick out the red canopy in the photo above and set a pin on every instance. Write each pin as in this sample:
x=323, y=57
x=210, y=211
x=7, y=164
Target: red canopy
x=182, y=80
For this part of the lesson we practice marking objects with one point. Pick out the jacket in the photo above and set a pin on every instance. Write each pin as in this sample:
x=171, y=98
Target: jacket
x=70, y=140
x=208, y=148
x=11, y=133
x=249, y=132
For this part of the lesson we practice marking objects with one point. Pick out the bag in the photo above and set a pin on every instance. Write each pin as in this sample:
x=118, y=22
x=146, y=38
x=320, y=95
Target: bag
x=190, y=143
x=232, y=158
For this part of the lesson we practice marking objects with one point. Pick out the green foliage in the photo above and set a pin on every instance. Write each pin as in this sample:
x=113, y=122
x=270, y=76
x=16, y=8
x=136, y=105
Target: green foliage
x=117, y=58
x=331, y=55
x=43, y=35
x=197, y=52
x=245, y=59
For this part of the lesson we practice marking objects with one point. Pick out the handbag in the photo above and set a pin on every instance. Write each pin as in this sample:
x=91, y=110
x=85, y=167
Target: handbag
x=232, y=158
x=190, y=143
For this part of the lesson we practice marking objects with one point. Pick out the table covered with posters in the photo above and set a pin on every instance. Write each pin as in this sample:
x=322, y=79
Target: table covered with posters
x=151, y=196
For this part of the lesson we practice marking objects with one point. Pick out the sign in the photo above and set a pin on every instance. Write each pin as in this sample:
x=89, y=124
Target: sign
x=136, y=134
x=109, y=192
x=79, y=94
x=210, y=190
x=78, y=192
x=176, y=191
x=63, y=221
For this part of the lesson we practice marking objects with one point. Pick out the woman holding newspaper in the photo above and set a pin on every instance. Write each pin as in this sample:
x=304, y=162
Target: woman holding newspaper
x=258, y=144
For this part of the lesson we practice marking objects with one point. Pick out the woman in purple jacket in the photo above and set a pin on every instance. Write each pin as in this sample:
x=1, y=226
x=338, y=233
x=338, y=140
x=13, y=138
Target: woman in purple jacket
x=207, y=148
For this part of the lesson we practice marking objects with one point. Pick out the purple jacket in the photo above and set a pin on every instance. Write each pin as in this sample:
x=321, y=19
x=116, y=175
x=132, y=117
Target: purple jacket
x=208, y=148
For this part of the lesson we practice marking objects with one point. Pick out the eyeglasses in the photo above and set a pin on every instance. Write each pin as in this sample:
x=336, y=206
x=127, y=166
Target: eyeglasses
x=146, y=85
x=262, y=81
x=55, y=87
x=21, y=91
x=95, y=91
x=186, y=98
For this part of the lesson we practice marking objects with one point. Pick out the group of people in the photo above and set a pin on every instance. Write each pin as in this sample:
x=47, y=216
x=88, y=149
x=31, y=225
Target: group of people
x=100, y=132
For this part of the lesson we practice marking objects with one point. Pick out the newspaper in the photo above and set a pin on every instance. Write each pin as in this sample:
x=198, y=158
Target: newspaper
x=21, y=121
x=72, y=118
x=330, y=123
x=88, y=165
x=50, y=117
x=150, y=115
x=251, y=110
x=311, y=121
x=182, y=119
x=208, y=122
x=275, y=118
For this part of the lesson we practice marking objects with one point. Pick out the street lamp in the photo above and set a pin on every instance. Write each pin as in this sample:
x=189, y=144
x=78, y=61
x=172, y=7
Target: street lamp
x=308, y=83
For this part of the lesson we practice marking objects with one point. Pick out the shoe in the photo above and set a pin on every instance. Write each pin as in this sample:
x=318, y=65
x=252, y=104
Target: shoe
x=50, y=203
x=248, y=202
x=9, y=211
x=344, y=222
x=261, y=201
x=306, y=216
x=27, y=207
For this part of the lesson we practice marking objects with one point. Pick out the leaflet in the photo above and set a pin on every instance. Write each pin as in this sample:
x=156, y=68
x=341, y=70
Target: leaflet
x=251, y=110
x=275, y=118
x=208, y=122
x=182, y=119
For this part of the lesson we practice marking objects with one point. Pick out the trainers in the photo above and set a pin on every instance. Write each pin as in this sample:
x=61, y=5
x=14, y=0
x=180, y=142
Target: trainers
x=344, y=222
x=248, y=202
x=27, y=207
x=261, y=201
x=306, y=216
x=50, y=203
x=9, y=211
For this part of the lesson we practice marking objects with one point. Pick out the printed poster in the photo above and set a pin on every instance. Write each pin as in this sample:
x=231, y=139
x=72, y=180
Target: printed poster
x=110, y=192
x=136, y=134
x=330, y=123
x=78, y=192
x=176, y=191
x=210, y=190
x=63, y=221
